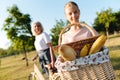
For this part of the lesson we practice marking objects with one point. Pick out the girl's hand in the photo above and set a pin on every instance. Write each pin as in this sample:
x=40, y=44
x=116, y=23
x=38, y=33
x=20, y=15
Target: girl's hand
x=52, y=64
x=48, y=66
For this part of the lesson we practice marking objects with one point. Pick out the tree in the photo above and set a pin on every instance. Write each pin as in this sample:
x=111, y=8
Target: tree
x=117, y=16
x=99, y=27
x=106, y=17
x=55, y=31
x=3, y=53
x=18, y=29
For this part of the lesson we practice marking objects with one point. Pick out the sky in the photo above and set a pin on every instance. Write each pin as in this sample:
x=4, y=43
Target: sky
x=48, y=11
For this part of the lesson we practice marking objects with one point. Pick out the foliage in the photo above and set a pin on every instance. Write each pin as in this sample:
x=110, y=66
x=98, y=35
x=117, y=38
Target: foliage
x=2, y=52
x=55, y=31
x=107, y=21
x=98, y=26
x=117, y=16
x=17, y=26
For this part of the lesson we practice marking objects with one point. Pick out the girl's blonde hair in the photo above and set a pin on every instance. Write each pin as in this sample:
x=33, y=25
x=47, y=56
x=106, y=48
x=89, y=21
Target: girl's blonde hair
x=70, y=4
x=38, y=24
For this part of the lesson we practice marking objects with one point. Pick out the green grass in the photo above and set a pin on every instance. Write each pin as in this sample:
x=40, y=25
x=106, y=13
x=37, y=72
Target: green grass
x=113, y=44
x=114, y=36
x=14, y=68
x=115, y=59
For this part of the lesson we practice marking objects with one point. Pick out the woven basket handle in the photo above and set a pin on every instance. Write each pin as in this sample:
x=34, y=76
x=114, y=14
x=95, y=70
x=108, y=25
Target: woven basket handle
x=77, y=24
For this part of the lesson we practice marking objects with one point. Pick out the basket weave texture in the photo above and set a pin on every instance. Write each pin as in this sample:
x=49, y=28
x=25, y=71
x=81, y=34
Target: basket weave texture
x=78, y=45
x=101, y=71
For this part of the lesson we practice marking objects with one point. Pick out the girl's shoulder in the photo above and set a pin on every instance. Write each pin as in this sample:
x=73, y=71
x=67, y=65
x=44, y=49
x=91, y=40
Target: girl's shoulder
x=44, y=34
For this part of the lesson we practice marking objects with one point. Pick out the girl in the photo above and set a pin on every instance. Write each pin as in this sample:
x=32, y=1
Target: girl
x=43, y=46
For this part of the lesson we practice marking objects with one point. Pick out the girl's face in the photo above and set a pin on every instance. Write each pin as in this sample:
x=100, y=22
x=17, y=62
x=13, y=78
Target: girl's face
x=37, y=29
x=72, y=13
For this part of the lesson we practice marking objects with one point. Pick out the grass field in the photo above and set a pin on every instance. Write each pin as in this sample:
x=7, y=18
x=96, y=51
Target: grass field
x=14, y=68
x=114, y=46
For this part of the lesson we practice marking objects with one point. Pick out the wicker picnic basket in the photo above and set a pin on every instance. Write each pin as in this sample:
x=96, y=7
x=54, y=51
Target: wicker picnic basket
x=98, y=71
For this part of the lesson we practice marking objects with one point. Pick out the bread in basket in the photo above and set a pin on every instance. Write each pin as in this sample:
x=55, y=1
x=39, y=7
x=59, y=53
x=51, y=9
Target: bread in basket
x=91, y=67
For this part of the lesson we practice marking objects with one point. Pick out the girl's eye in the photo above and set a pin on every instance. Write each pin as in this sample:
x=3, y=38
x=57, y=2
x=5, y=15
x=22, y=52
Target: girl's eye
x=70, y=13
x=75, y=12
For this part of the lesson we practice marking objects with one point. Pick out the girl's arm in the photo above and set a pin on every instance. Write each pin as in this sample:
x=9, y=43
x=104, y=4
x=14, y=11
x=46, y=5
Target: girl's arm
x=51, y=54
